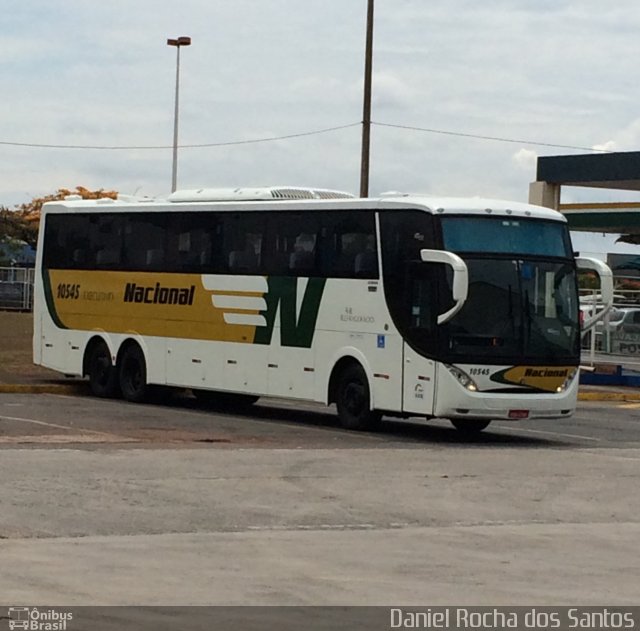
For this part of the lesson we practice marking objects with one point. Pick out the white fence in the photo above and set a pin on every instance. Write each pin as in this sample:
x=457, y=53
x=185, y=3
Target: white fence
x=16, y=288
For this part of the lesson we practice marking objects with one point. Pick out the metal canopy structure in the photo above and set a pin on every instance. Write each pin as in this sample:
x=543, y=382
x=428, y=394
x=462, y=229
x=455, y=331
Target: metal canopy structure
x=619, y=171
x=595, y=170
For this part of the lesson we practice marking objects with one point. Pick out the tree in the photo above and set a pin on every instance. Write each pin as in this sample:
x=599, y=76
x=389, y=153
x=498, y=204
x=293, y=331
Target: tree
x=22, y=222
x=14, y=228
x=31, y=210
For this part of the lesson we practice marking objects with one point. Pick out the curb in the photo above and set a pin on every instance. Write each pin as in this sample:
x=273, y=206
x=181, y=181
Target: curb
x=80, y=387
x=608, y=396
x=41, y=388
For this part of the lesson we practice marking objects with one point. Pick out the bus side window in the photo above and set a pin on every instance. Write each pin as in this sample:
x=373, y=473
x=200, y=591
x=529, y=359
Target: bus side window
x=190, y=239
x=366, y=263
x=107, y=240
x=67, y=243
x=302, y=259
x=243, y=241
x=54, y=255
x=349, y=246
x=145, y=241
x=291, y=245
x=245, y=260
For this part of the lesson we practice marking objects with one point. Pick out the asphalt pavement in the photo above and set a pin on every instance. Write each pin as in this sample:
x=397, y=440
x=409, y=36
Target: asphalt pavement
x=109, y=503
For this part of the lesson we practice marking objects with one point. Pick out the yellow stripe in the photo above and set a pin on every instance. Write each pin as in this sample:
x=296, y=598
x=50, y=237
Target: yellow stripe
x=88, y=301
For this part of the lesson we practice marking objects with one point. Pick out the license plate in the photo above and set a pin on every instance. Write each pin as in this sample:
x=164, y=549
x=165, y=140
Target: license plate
x=518, y=413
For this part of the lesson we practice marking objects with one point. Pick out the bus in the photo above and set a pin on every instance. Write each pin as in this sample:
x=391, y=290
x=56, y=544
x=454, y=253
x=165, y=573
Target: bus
x=403, y=305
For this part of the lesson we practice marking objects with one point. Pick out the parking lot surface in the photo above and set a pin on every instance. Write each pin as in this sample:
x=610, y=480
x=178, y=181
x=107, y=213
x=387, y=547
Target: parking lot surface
x=105, y=502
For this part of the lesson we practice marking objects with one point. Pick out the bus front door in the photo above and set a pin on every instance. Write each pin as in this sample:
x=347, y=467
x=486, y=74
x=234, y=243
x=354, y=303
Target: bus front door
x=419, y=372
x=419, y=383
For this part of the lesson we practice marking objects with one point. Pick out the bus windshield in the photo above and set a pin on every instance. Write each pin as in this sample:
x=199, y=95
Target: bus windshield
x=506, y=235
x=522, y=304
x=516, y=309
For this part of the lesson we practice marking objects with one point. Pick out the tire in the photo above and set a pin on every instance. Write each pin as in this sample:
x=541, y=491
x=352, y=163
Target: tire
x=353, y=400
x=225, y=400
x=103, y=376
x=133, y=375
x=470, y=427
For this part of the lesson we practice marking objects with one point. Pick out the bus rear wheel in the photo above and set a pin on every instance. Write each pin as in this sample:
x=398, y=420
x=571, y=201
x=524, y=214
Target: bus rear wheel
x=103, y=377
x=353, y=400
x=133, y=374
x=470, y=427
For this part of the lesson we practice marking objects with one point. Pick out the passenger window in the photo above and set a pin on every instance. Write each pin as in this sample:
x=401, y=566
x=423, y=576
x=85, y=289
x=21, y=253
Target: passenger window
x=68, y=243
x=145, y=241
x=195, y=243
x=349, y=245
x=293, y=244
x=243, y=243
x=106, y=232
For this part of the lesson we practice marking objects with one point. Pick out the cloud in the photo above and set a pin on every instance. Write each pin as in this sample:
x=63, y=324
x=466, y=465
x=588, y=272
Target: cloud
x=389, y=91
x=526, y=159
x=610, y=145
x=626, y=139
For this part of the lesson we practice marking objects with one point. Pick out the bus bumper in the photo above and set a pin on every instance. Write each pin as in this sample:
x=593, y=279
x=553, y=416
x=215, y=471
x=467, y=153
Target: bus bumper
x=454, y=401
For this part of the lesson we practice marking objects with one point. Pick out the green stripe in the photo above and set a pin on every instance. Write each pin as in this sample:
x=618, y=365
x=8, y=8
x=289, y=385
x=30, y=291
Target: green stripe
x=283, y=292
x=51, y=305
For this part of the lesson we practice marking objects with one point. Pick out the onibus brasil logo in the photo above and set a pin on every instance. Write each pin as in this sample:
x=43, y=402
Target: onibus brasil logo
x=34, y=619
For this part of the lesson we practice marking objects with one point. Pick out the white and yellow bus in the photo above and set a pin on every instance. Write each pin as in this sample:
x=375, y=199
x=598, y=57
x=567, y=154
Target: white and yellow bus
x=465, y=309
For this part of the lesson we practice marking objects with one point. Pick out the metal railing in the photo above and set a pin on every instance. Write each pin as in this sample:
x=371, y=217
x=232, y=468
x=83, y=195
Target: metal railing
x=618, y=333
x=16, y=288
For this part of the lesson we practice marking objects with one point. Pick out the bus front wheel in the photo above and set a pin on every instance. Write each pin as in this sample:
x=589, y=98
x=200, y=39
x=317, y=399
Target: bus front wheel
x=353, y=400
x=103, y=377
x=133, y=374
x=470, y=427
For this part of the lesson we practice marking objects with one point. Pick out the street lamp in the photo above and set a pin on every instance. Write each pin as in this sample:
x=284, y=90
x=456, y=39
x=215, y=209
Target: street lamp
x=180, y=41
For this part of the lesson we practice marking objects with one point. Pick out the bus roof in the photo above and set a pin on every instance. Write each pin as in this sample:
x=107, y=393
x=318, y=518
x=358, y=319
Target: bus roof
x=292, y=198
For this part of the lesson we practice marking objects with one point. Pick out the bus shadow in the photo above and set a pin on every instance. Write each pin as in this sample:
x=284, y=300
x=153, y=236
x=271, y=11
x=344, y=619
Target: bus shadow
x=390, y=430
x=434, y=432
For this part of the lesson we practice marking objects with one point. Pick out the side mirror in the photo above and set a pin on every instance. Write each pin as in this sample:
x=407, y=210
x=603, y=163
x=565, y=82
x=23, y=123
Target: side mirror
x=606, y=288
x=460, y=287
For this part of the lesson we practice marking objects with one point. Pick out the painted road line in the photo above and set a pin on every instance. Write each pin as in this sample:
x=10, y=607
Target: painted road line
x=79, y=430
x=556, y=434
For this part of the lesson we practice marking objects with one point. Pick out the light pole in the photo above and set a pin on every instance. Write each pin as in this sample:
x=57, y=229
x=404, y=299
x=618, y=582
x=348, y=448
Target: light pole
x=180, y=41
x=366, y=108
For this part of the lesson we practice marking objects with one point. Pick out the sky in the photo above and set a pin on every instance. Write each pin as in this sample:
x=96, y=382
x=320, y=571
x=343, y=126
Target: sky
x=534, y=72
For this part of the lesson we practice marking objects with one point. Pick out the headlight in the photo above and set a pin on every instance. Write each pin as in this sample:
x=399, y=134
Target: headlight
x=567, y=382
x=463, y=378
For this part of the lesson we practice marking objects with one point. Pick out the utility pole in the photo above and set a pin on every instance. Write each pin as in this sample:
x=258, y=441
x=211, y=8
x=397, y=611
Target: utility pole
x=366, y=109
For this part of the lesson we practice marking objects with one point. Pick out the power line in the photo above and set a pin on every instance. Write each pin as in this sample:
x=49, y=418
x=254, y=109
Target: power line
x=495, y=138
x=300, y=135
x=193, y=146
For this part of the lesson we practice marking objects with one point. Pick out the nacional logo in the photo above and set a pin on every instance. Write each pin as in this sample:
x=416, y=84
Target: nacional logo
x=547, y=372
x=159, y=295
x=540, y=378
